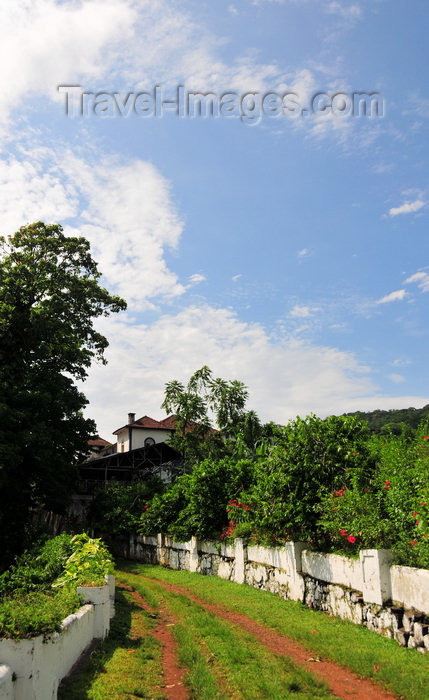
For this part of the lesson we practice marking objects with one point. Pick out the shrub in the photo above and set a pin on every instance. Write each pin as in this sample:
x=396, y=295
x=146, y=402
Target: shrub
x=196, y=503
x=117, y=509
x=311, y=458
x=88, y=564
x=37, y=568
x=36, y=613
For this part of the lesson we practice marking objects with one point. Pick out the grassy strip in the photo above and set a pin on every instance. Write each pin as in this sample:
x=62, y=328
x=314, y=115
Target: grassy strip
x=244, y=667
x=126, y=665
x=404, y=671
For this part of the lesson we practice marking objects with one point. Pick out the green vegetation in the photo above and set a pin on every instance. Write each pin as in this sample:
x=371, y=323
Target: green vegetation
x=88, y=564
x=29, y=606
x=37, y=568
x=49, y=298
x=116, y=509
x=40, y=612
x=330, y=483
x=127, y=664
x=240, y=665
x=397, y=421
x=404, y=671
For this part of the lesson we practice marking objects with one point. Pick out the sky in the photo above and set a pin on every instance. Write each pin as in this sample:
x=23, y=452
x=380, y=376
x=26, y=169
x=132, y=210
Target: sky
x=278, y=234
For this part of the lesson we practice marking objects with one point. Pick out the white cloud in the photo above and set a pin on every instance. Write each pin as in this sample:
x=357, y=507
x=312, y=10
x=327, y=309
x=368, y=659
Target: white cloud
x=123, y=209
x=348, y=12
x=421, y=279
x=44, y=43
x=126, y=45
x=235, y=278
x=196, y=278
x=299, y=311
x=407, y=208
x=303, y=253
x=232, y=10
x=398, y=295
x=285, y=378
x=401, y=362
x=396, y=378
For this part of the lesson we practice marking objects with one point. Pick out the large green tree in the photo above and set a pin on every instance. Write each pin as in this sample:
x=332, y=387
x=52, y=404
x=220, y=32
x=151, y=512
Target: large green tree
x=49, y=297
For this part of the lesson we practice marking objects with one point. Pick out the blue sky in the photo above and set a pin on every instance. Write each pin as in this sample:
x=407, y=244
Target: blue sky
x=290, y=252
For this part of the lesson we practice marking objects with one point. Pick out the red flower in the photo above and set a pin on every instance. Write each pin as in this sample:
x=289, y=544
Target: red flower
x=413, y=543
x=425, y=437
x=340, y=492
x=343, y=533
x=387, y=485
x=417, y=522
x=415, y=514
x=351, y=539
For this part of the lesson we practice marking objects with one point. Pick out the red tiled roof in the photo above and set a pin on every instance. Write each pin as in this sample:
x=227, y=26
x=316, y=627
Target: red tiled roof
x=98, y=442
x=168, y=423
x=148, y=423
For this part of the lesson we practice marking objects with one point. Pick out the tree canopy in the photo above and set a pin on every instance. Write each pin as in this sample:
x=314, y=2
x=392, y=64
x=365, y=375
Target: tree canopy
x=49, y=298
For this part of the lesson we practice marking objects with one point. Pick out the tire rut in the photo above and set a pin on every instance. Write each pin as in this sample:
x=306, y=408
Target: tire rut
x=341, y=681
x=174, y=674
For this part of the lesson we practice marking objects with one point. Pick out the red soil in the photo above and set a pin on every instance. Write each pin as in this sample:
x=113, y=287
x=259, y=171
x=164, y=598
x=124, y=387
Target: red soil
x=342, y=682
x=173, y=673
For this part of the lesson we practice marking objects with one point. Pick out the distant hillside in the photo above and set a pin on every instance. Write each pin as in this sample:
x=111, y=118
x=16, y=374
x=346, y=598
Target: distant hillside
x=380, y=420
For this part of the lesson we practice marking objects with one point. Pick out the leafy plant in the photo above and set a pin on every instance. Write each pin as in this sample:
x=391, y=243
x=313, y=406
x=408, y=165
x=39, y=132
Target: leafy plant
x=88, y=564
x=37, y=568
x=36, y=613
x=117, y=509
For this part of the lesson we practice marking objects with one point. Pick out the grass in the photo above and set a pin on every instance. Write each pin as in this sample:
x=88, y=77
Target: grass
x=403, y=671
x=126, y=665
x=224, y=661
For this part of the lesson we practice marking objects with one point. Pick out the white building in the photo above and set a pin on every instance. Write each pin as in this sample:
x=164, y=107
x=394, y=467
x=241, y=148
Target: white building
x=143, y=432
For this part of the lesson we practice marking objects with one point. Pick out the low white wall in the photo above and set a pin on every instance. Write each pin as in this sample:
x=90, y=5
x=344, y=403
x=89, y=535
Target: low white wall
x=31, y=669
x=6, y=684
x=360, y=590
x=333, y=568
x=410, y=587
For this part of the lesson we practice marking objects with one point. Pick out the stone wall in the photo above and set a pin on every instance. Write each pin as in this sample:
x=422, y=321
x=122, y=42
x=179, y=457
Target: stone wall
x=369, y=591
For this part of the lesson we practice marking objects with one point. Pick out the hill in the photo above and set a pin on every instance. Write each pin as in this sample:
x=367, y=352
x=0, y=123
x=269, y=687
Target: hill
x=379, y=421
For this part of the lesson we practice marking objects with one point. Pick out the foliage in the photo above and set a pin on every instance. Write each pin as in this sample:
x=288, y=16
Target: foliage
x=117, y=508
x=37, y=568
x=311, y=458
x=88, y=564
x=403, y=421
x=196, y=503
x=192, y=404
x=354, y=519
x=49, y=297
x=36, y=613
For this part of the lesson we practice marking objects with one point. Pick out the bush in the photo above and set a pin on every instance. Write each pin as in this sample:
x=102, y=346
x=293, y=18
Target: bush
x=117, y=509
x=37, y=568
x=36, y=613
x=196, y=503
x=88, y=564
x=312, y=458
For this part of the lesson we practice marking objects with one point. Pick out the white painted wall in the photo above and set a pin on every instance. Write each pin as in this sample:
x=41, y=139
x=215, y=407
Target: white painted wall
x=6, y=685
x=139, y=435
x=410, y=587
x=38, y=664
x=333, y=568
